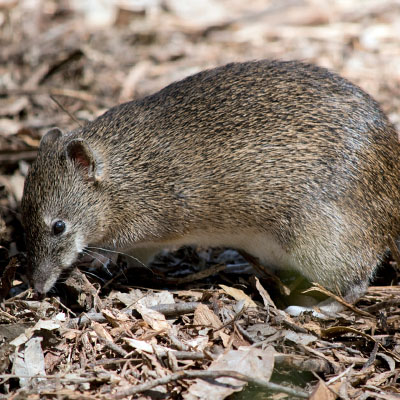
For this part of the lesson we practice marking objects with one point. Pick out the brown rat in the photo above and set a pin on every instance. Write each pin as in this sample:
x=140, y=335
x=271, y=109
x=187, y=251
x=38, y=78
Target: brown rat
x=285, y=160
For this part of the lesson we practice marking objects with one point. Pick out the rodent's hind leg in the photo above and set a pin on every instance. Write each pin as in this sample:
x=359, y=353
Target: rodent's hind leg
x=329, y=307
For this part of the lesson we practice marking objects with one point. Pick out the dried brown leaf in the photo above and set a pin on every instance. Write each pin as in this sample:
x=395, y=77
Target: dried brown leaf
x=155, y=319
x=247, y=360
x=322, y=392
x=238, y=295
x=101, y=332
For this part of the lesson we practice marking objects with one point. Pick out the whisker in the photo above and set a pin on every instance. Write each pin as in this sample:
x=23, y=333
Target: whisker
x=93, y=254
x=120, y=252
x=95, y=276
x=87, y=251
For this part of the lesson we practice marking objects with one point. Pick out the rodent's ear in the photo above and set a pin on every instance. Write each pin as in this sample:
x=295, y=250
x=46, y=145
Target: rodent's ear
x=79, y=151
x=50, y=137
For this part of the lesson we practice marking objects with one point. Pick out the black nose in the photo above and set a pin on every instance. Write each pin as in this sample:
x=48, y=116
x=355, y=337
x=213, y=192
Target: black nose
x=38, y=296
x=38, y=288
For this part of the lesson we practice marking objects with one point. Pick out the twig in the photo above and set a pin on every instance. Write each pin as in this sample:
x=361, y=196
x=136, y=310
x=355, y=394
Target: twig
x=322, y=382
x=317, y=287
x=110, y=361
x=302, y=363
x=114, y=347
x=244, y=333
x=169, y=310
x=342, y=374
x=214, y=270
x=292, y=325
x=176, y=309
x=75, y=94
x=65, y=110
x=189, y=374
x=18, y=296
x=183, y=355
x=13, y=156
x=177, y=343
x=372, y=357
x=308, y=350
x=232, y=320
x=246, y=18
x=6, y=315
x=86, y=318
x=383, y=304
x=61, y=378
x=64, y=306
x=335, y=330
x=263, y=271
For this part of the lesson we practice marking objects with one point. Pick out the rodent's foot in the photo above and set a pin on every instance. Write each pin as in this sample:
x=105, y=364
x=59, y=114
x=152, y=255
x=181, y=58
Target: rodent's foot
x=328, y=308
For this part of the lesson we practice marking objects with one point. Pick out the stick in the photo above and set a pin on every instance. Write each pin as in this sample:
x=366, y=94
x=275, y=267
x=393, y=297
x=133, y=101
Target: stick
x=214, y=270
x=65, y=110
x=169, y=310
x=190, y=374
x=319, y=288
x=75, y=94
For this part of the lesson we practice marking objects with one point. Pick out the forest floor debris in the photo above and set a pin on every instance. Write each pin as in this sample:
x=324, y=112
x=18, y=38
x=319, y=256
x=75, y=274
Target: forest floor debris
x=199, y=324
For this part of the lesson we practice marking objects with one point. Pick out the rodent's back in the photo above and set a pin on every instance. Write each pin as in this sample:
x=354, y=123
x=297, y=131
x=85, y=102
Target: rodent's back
x=284, y=147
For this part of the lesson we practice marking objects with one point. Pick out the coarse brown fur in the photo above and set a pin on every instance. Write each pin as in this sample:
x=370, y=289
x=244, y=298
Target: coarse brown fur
x=287, y=152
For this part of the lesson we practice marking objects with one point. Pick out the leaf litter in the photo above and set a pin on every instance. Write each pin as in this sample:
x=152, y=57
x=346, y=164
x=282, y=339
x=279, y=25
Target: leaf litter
x=198, y=324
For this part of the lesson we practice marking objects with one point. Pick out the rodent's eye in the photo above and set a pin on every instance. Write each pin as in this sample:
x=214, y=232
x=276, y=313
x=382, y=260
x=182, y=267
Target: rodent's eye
x=58, y=227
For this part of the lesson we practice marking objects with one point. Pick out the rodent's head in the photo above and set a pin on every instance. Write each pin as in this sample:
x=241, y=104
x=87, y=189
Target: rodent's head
x=62, y=209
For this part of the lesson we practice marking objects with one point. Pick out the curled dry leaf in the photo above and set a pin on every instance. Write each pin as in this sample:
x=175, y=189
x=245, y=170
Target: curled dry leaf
x=139, y=345
x=322, y=392
x=249, y=361
x=302, y=338
x=238, y=295
x=45, y=325
x=29, y=361
x=101, y=332
x=203, y=316
x=264, y=294
x=154, y=299
x=155, y=319
x=117, y=318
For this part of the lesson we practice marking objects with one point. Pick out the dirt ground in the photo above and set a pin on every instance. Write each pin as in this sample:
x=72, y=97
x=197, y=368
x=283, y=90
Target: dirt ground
x=199, y=324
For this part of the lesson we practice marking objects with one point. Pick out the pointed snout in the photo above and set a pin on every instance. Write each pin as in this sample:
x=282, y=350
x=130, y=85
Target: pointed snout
x=44, y=277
